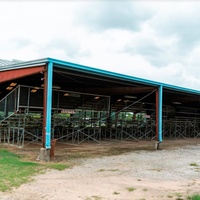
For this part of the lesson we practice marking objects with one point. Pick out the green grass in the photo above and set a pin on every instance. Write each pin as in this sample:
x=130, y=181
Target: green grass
x=96, y=197
x=108, y=170
x=101, y=170
x=93, y=198
x=130, y=189
x=194, y=197
x=57, y=166
x=116, y=193
x=193, y=164
x=14, y=171
x=178, y=194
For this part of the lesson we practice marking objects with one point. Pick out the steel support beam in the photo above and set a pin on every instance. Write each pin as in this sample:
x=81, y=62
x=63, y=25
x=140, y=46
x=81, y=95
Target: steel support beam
x=159, y=100
x=44, y=109
x=49, y=105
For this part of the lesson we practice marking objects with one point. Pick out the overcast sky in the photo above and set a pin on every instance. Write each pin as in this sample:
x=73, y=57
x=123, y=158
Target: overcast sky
x=155, y=40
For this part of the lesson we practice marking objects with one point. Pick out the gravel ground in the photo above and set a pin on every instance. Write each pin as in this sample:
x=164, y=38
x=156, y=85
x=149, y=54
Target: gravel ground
x=165, y=174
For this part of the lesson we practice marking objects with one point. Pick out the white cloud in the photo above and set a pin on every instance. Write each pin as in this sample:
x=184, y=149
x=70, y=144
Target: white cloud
x=104, y=15
x=149, y=39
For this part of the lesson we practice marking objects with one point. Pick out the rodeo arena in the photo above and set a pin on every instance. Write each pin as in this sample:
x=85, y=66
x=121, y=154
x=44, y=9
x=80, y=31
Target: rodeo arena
x=48, y=100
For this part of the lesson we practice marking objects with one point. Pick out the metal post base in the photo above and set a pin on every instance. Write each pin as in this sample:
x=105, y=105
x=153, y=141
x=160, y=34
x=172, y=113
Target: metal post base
x=158, y=145
x=44, y=155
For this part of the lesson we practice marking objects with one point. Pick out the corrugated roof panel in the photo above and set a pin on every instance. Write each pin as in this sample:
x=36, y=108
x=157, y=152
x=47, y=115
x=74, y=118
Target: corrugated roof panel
x=8, y=62
x=16, y=64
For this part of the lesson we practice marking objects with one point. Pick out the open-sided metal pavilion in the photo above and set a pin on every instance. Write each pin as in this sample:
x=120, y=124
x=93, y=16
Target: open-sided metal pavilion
x=77, y=103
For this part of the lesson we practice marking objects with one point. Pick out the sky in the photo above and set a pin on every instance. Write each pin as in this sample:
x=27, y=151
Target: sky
x=155, y=40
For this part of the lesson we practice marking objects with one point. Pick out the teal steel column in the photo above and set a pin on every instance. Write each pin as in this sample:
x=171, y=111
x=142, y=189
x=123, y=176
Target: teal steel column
x=160, y=103
x=49, y=105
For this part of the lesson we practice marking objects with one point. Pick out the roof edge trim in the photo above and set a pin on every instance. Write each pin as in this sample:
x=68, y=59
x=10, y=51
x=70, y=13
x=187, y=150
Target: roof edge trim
x=32, y=63
x=93, y=70
x=122, y=76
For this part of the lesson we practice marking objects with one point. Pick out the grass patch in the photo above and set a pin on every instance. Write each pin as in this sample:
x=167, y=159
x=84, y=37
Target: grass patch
x=101, y=170
x=178, y=194
x=57, y=166
x=96, y=197
x=108, y=170
x=113, y=170
x=130, y=189
x=14, y=171
x=93, y=198
x=194, y=165
x=116, y=193
x=194, y=197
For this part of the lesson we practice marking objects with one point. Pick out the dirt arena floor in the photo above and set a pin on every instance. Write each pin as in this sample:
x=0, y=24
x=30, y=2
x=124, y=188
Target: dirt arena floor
x=115, y=170
x=67, y=152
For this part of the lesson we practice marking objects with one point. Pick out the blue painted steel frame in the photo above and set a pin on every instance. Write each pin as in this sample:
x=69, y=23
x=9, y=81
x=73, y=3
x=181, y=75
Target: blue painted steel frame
x=80, y=68
x=49, y=105
x=160, y=103
x=109, y=74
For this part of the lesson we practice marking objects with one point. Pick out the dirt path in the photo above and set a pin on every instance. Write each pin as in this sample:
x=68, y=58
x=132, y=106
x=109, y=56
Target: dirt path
x=139, y=175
